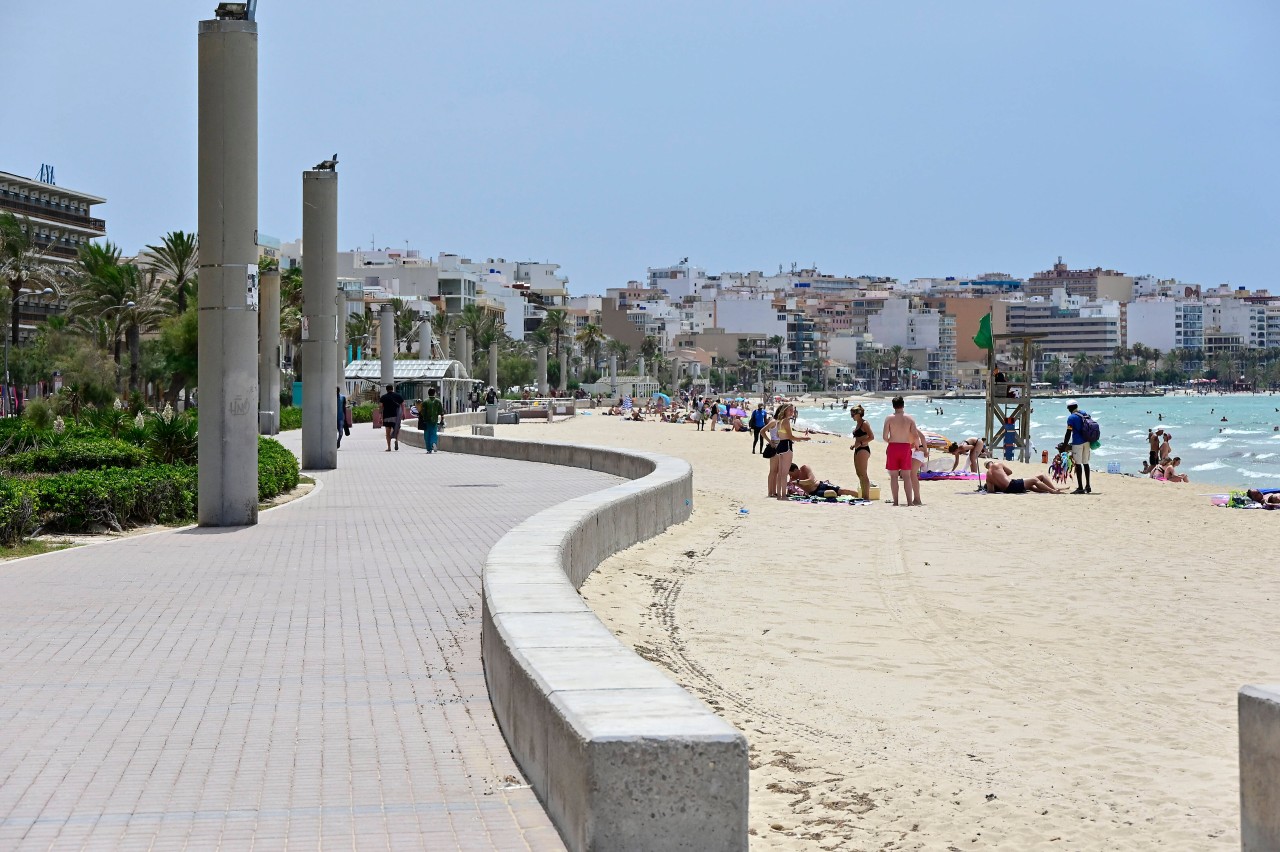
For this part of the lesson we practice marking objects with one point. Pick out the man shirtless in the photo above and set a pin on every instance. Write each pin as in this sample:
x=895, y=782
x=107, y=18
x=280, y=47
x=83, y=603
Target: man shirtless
x=1153, y=453
x=1000, y=481
x=804, y=477
x=1269, y=497
x=902, y=435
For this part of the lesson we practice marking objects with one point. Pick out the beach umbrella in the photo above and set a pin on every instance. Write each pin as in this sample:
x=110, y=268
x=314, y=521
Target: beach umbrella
x=737, y=412
x=662, y=396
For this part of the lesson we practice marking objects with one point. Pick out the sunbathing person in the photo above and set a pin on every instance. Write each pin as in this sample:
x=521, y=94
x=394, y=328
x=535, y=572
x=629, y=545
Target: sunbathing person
x=972, y=447
x=804, y=478
x=1171, y=471
x=1000, y=481
x=1269, y=497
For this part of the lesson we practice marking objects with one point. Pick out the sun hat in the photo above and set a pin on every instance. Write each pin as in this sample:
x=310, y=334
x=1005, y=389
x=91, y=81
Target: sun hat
x=1071, y=402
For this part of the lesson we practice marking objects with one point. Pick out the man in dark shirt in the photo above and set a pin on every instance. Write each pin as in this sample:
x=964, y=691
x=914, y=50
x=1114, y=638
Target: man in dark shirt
x=391, y=403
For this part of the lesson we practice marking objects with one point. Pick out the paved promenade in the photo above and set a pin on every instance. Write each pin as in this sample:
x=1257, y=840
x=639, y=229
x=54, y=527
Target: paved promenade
x=313, y=681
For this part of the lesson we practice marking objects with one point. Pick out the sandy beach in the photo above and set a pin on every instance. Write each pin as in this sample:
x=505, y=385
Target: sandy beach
x=983, y=672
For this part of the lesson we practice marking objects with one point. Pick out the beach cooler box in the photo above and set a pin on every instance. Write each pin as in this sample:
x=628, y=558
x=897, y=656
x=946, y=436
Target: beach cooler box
x=873, y=493
x=1113, y=467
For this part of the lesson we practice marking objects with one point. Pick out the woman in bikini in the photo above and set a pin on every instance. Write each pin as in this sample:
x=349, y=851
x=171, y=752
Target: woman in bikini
x=862, y=438
x=785, y=415
x=771, y=448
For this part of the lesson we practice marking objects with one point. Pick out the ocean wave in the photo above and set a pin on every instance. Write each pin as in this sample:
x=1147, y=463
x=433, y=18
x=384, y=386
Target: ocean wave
x=1261, y=456
x=1208, y=445
x=1213, y=465
x=1229, y=431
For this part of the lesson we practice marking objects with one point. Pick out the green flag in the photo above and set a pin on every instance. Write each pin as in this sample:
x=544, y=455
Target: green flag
x=983, y=337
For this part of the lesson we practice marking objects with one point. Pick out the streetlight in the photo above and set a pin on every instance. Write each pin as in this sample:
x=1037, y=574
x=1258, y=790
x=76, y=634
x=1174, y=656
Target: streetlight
x=5, y=405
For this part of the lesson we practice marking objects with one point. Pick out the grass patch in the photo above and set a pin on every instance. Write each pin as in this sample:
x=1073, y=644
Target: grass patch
x=33, y=547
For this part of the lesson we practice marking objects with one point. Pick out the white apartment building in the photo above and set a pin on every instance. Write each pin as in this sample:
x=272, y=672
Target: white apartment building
x=922, y=332
x=1165, y=323
x=1230, y=315
x=1072, y=324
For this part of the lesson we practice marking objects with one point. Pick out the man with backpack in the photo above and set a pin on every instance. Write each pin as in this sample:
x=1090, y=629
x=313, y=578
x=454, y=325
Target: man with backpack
x=1082, y=431
x=758, y=418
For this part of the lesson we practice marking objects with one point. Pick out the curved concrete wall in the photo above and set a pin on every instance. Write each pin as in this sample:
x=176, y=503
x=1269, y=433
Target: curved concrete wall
x=621, y=756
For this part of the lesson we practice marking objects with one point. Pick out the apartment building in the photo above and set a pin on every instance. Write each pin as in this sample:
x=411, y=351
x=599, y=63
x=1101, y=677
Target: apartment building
x=1097, y=283
x=1071, y=325
x=61, y=224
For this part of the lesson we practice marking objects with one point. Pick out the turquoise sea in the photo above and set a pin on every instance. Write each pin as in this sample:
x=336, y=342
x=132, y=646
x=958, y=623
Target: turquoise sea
x=1243, y=450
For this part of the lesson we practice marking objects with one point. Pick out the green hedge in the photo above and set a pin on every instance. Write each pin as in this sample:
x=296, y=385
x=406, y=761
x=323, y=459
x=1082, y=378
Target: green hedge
x=362, y=413
x=18, y=500
x=76, y=454
x=123, y=497
x=277, y=469
x=290, y=418
x=116, y=497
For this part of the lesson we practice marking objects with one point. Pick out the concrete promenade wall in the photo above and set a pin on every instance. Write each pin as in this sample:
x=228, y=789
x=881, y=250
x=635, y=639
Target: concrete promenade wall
x=620, y=755
x=1259, y=709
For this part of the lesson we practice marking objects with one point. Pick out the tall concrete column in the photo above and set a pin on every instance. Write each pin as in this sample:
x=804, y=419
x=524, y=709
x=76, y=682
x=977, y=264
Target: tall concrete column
x=563, y=384
x=340, y=308
x=387, y=345
x=544, y=388
x=464, y=353
x=493, y=365
x=320, y=315
x=613, y=375
x=675, y=377
x=640, y=366
x=269, y=353
x=227, y=222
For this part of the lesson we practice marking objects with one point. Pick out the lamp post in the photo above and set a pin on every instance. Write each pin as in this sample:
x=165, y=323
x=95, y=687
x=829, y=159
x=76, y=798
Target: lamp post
x=5, y=405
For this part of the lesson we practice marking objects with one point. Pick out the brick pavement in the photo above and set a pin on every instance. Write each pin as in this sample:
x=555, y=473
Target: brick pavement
x=313, y=681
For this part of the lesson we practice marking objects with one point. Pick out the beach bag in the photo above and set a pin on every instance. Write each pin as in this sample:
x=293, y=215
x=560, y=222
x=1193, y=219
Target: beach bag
x=346, y=418
x=1089, y=428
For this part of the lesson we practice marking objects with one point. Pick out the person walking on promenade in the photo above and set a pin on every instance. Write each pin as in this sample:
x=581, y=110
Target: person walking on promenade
x=901, y=434
x=862, y=438
x=391, y=404
x=343, y=428
x=430, y=412
x=758, y=419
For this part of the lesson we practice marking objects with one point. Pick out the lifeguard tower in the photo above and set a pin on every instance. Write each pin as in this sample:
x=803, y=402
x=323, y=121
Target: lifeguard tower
x=1010, y=400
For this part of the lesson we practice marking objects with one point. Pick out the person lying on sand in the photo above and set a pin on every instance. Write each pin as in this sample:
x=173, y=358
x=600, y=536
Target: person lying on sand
x=804, y=478
x=1000, y=481
x=1269, y=497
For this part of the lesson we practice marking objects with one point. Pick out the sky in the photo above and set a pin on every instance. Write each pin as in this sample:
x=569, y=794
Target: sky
x=913, y=138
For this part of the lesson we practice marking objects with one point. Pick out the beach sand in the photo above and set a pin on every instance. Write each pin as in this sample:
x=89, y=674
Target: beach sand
x=983, y=672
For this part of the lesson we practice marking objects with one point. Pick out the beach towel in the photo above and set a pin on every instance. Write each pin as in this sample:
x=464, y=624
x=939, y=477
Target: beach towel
x=944, y=475
x=847, y=501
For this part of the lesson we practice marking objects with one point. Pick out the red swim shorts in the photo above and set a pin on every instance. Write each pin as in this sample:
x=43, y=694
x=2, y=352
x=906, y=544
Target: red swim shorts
x=898, y=457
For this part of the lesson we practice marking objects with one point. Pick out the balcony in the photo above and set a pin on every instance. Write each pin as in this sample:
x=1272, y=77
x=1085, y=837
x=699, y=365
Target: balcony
x=53, y=213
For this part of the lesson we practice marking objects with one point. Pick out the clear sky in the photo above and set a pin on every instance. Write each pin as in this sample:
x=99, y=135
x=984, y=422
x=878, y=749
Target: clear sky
x=911, y=138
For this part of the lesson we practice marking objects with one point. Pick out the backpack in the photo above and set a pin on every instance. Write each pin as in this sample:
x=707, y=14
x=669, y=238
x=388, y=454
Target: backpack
x=1089, y=428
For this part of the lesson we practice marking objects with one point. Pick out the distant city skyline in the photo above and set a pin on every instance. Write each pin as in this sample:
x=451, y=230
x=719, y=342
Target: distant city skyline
x=919, y=141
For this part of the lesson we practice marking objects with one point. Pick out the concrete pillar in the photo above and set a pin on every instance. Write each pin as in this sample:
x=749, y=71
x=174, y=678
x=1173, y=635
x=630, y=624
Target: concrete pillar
x=1259, y=725
x=564, y=370
x=640, y=366
x=387, y=345
x=340, y=309
x=460, y=346
x=227, y=223
x=675, y=377
x=269, y=353
x=544, y=388
x=493, y=365
x=613, y=375
x=320, y=313
x=424, y=341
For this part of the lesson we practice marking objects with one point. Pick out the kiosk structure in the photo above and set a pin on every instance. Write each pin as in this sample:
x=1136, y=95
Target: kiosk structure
x=1009, y=403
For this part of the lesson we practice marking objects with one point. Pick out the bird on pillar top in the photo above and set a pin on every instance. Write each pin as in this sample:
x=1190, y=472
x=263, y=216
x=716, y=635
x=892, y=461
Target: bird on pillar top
x=327, y=165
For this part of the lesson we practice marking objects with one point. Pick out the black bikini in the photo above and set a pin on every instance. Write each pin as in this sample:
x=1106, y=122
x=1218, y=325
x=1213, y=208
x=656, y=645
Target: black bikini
x=858, y=433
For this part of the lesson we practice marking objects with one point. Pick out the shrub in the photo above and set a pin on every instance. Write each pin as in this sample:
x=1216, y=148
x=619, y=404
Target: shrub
x=76, y=454
x=290, y=418
x=39, y=414
x=362, y=413
x=107, y=418
x=277, y=469
x=171, y=437
x=116, y=497
x=18, y=502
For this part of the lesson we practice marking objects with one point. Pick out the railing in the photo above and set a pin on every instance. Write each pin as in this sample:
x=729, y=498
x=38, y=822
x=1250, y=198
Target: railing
x=10, y=202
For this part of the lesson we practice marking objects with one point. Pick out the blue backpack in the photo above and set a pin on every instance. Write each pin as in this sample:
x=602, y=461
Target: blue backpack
x=1089, y=428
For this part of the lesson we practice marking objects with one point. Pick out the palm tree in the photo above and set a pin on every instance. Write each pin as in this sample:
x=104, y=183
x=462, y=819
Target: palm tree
x=177, y=259
x=909, y=365
x=144, y=309
x=776, y=343
x=23, y=265
x=648, y=347
x=441, y=327
x=360, y=327
x=621, y=350
x=99, y=292
x=1080, y=370
x=591, y=338
x=895, y=361
x=556, y=322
